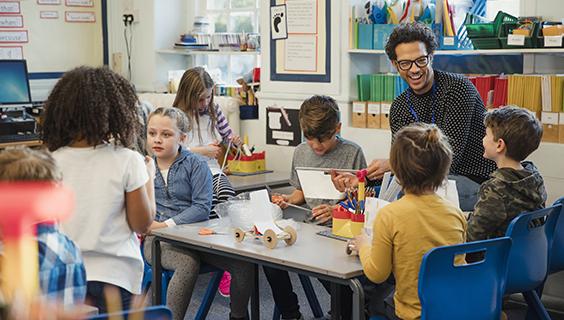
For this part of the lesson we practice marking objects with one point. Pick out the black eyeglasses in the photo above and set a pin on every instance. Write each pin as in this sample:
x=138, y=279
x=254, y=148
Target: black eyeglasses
x=421, y=62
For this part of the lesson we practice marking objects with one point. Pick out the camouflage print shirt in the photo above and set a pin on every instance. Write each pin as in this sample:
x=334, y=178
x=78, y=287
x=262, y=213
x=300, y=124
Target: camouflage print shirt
x=505, y=195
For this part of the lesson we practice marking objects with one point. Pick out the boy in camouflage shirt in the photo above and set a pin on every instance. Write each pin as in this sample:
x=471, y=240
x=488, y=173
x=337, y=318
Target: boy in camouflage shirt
x=512, y=134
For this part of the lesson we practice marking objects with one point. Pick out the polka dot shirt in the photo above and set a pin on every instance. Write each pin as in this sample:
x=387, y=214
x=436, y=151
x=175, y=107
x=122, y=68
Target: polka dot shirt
x=459, y=112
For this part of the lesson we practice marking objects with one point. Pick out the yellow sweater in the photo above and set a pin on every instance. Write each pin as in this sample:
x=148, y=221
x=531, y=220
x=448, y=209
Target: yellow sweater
x=403, y=232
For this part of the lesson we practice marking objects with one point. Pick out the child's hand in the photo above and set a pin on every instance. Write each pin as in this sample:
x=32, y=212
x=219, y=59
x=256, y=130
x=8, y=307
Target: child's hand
x=212, y=150
x=151, y=169
x=377, y=168
x=157, y=225
x=322, y=213
x=236, y=140
x=280, y=200
x=343, y=180
x=359, y=241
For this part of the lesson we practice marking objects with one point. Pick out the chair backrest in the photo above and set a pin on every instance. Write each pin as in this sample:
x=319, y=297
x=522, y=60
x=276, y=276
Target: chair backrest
x=149, y=313
x=531, y=234
x=556, y=256
x=468, y=291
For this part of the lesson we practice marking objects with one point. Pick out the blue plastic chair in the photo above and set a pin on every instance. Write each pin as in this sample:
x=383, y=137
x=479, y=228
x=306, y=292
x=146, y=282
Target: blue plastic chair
x=150, y=313
x=208, y=297
x=311, y=298
x=467, y=291
x=532, y=235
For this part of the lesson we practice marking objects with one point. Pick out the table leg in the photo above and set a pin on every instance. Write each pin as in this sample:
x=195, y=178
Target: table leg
x=358, y=298
x=255, y=295
x=157, y=272
x=335, y=301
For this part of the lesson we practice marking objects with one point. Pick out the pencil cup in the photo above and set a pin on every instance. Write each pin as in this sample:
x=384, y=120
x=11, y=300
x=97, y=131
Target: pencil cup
x=346, y=224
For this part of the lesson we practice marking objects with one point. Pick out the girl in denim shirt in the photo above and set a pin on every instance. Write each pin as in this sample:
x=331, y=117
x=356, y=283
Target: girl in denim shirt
x=183, y=193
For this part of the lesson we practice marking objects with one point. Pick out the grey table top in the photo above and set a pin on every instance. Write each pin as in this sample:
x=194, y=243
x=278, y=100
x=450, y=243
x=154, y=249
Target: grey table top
x=248, y=183
x=311, y=252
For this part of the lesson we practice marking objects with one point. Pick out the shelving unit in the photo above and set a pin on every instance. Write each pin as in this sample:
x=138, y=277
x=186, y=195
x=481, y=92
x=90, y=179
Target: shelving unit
x=473, y=52
x=187, y=52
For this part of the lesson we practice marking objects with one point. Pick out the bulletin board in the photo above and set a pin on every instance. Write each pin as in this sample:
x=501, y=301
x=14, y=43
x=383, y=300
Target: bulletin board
x=283, y=126
x=54, y=36
x=304, y=54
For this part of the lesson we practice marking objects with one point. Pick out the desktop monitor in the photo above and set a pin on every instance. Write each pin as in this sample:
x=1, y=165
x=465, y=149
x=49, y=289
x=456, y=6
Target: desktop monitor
x=14, y=84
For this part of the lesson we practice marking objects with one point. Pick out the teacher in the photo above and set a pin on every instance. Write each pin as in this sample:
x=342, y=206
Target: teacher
x=446, y=99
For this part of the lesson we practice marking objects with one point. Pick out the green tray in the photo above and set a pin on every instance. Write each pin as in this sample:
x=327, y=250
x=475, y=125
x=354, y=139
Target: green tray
x=486, y=43
x=489, y=30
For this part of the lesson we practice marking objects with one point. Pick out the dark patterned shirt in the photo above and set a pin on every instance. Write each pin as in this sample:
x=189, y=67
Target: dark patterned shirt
x=458, y=112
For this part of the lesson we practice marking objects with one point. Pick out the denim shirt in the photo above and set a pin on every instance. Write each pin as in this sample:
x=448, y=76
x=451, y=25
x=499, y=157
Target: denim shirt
x=187, y=197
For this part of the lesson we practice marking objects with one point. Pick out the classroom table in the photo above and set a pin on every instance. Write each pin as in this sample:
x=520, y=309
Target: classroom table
x=312, y=255
x=274, y=179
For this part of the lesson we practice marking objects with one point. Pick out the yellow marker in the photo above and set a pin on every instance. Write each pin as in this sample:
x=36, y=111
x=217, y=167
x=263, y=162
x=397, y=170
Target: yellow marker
x=246, y=139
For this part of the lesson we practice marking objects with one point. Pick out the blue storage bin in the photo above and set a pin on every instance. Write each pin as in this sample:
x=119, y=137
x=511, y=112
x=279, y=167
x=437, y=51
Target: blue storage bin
x=381, y=34
x=365, y=36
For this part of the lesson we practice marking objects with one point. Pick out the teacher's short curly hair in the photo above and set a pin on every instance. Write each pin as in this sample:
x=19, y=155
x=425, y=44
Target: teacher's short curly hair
x=410, y=32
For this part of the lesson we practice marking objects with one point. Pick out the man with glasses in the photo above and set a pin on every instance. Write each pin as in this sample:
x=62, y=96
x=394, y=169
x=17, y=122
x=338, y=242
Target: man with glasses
x=448, y=100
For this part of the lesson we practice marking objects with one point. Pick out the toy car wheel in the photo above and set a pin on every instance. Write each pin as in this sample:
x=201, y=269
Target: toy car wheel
x=270, y=239
x=293, y=235
x=239, y=235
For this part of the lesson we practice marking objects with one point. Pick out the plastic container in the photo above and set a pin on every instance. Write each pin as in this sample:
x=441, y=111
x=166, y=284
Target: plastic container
x=507, y=28
x=554, y=30
x=489, y=30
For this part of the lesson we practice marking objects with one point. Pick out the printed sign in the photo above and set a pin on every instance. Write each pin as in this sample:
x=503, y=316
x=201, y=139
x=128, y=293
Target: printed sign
x=278, y=22
x=9, y=21
x=80, y=16
x=79, y=3
x=49, y=2
x=49, y=14
x=13, y=36
x=9, y=7
x=11, y=53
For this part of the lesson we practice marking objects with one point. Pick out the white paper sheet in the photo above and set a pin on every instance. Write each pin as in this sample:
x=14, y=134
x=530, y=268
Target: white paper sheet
x=301, y=53
x=302, y=16
x=317, y=184
x=260, y=206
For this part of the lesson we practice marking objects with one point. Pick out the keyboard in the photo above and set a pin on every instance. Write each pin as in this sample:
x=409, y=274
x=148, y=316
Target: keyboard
x=6, y=138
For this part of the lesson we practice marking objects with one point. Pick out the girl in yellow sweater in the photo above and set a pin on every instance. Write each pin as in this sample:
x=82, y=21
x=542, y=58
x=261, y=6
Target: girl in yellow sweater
x=421, y=220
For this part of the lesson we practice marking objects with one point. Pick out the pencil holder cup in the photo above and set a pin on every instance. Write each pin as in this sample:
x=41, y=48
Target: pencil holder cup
x=346, y=224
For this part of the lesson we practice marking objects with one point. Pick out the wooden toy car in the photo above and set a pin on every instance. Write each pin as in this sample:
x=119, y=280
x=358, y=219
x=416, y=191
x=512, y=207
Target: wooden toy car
x=269, y=238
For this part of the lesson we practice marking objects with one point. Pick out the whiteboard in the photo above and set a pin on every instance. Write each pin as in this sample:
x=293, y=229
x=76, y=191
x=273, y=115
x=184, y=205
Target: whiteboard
x=55, y=45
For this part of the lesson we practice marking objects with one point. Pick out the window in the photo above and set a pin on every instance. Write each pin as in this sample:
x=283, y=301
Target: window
x=233, y=15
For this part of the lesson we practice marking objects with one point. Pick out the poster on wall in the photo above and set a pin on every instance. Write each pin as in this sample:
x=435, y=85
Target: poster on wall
x=283, y=126
x=9, y=7
x=49, y=2
x=305, y=54
x=19, y=36
x=80, y=16
x=11, y=53
x=278, y=22
x=79, y=3
x=49, y=14
x=11, y=21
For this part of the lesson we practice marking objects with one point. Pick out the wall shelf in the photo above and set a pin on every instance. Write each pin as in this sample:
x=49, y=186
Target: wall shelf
x=473, y=52
x=187, y=52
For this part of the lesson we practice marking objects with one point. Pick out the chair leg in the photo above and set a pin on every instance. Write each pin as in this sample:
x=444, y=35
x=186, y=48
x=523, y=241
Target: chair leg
x=311, y=296
x=209, y=296
x=536, y=308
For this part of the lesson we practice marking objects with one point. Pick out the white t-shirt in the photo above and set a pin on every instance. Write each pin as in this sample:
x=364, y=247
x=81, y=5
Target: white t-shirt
x=100, y=177
x=193, y=140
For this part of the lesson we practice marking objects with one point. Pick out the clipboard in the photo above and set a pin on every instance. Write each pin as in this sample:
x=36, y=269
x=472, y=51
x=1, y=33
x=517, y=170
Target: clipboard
x=316, y=183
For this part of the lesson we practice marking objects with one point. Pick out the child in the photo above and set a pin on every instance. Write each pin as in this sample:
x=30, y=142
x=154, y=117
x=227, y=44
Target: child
x=195, y=98
x=62, y=276
x=183, y=191
x=319, y=121
x=512, y=134
x=421, y=220
x=89, y=121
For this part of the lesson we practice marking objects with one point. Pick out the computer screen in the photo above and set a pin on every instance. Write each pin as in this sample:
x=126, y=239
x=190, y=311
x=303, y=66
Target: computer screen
x=14, y=83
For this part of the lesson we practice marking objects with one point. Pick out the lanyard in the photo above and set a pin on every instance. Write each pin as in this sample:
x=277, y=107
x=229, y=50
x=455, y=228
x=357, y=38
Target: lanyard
x=412, y=110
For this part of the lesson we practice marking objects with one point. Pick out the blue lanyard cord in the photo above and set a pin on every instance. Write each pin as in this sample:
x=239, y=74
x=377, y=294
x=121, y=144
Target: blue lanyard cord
x=412, y=110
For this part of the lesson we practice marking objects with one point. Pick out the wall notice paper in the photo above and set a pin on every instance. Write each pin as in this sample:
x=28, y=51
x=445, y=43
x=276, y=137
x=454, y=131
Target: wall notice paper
x=283, y=126
x=79, y=3
x=301, y=53
x=49, y=14
x=80, y=16
x=49, y=2
x=278, y=25
x=316, y=183
x=274, y=120
x=11, y=53
x=11, y=21
x=9, y=7
x=13, y=36
x=302, y=16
